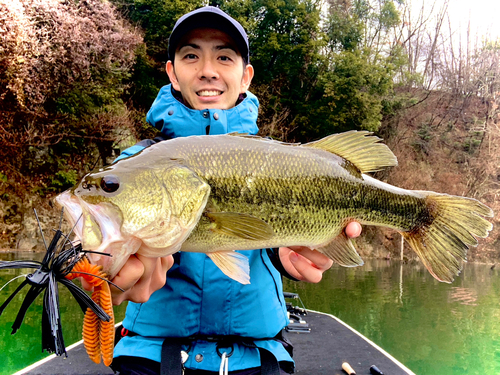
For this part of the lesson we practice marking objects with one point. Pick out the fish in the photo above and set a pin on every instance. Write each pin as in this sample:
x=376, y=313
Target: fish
x=216, y=194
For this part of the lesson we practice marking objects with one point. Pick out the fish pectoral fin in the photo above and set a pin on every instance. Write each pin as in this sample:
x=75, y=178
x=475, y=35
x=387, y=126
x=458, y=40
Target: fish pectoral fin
x=341, y=250
x=240, y=225
x=364, y=151
x=232, y=264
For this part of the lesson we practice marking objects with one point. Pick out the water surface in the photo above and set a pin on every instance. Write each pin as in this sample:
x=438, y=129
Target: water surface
x=431, y=327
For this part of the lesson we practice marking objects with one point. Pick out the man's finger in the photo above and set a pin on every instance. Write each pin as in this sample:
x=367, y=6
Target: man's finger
x=308, y=272
x=140, y=277
x=319, y=260
x=131, y=272
x=353, y=229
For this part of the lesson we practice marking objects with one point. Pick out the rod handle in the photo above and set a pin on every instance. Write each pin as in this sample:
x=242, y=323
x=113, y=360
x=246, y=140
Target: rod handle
x=347, y=368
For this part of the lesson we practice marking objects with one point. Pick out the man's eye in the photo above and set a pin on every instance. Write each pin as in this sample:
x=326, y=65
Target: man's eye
x=225, y=58
x=190, y=56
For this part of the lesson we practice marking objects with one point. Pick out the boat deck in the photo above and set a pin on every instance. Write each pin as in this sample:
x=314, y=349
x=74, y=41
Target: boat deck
x=332, y=342
x=320, y=352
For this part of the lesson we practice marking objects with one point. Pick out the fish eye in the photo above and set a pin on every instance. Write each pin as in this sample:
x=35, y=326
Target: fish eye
x=110, y=183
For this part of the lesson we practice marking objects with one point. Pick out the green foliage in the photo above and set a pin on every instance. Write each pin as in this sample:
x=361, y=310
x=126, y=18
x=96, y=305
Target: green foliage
x=473, y=141
x=315, y=91
x=355, y=88
x=146, y=80
x=283, y=41
x=389, y=15
x=64, y=179
x=344, y=31
x=425, y=135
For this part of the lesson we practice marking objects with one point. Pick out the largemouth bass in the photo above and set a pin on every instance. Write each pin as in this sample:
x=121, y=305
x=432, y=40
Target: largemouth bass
x=217, y=194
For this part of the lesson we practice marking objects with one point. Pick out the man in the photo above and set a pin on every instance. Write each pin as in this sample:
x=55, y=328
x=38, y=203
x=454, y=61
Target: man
x=218, y=322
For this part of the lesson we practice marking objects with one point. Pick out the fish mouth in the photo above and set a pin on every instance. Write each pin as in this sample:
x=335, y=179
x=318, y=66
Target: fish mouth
x=96, y=226
x=72, y=211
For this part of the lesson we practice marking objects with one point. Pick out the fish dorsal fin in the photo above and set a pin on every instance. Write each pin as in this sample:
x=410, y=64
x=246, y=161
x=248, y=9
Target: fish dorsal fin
x=360, y=148
x=260, y=138
x=242, y=135
x=233, y=265
x=342, y=251
x=240, y=225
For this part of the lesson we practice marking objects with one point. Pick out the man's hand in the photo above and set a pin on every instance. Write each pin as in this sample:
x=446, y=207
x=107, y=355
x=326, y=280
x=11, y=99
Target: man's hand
x=308, y=265
x=140, y=277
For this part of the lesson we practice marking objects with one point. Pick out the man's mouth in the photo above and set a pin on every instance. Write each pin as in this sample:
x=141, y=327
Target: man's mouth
x=209, y=93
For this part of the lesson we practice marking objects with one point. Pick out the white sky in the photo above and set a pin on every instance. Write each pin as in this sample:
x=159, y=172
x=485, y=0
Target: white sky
x=483, y=14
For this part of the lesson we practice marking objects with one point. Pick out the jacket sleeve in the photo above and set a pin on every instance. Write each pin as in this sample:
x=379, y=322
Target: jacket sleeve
x=139, y=147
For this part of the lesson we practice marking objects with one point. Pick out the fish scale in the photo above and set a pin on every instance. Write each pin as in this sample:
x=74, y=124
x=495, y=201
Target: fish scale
x=302, y=196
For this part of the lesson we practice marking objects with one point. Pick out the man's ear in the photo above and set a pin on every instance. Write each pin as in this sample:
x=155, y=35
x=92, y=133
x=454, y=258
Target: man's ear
x=171, y=75
x=247, y=78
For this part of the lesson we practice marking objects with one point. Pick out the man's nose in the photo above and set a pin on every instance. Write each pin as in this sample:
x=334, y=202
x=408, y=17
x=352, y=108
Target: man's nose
x=208, y=70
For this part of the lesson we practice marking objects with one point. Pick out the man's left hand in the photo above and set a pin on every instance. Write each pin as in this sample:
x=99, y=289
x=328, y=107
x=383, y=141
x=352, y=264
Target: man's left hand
x=308, y=265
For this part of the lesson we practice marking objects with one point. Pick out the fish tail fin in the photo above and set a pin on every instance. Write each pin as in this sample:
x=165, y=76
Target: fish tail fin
x=454, y=224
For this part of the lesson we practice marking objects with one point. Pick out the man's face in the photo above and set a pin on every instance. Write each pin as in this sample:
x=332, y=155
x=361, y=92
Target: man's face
x=208, y=70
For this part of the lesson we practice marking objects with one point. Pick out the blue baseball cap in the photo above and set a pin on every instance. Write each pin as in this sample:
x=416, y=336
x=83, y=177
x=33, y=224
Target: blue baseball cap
x=209, y=17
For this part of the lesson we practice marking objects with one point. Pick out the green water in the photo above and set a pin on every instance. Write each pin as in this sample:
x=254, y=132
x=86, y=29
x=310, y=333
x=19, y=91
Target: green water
x=431, y=327
x=24, y=348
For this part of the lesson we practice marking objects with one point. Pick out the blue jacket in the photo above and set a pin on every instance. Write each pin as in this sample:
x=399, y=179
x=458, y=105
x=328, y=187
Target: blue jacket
x=198, y=299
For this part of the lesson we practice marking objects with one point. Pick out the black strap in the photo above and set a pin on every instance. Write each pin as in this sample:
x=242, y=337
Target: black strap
x=269, y=363
x=171, y=361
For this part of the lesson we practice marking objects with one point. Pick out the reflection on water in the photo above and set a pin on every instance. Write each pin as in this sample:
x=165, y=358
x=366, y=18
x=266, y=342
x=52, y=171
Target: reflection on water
x=431, y=327
x=24, y=348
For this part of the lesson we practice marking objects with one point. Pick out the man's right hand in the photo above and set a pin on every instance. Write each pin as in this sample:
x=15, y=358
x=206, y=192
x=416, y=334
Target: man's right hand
x=140, y=277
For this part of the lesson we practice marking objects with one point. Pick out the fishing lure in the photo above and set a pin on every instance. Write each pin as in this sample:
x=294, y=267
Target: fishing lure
x=64, y=261
x=98, y=334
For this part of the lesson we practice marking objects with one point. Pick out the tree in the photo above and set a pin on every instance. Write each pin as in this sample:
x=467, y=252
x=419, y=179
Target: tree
x=285, y=42
x=358, y=72
x=63, y=68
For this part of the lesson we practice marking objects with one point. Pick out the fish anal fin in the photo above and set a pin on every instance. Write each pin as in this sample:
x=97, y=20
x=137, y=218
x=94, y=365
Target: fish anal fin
x=360, y=148
x=341, y=250
x=232, y=264
x=240, y=225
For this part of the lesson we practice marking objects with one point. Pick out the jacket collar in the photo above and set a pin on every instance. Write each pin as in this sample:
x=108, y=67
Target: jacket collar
x=169, y=115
